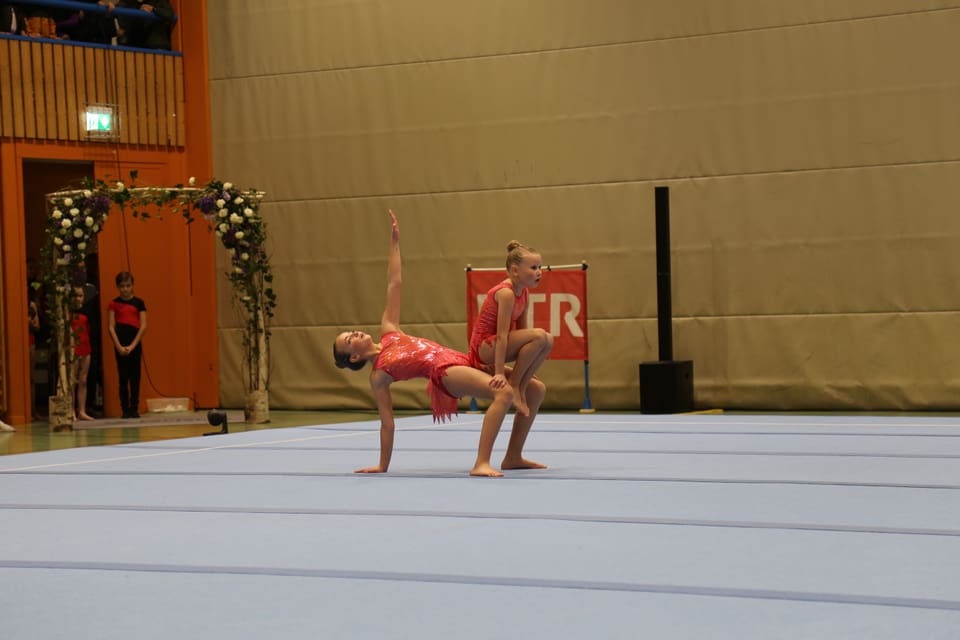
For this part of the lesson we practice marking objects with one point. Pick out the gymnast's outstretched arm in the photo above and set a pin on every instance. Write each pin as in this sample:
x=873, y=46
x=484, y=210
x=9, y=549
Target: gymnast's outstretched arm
x=380, y=380
x=391, y=311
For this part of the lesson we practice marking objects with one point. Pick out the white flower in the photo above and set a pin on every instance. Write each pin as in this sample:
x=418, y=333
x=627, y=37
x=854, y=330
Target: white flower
x=57, y=214
x=96, y=228
x=119, y=187
x=227, y=186
x=57, y=241
x=238, y=201
x=237, y=270
x=66, y=248
x=221, y=202
x=78, y=233
x=68, y=202
x=238, y=235
x=65, y=223
x=248, y=212
x=74, y=212
x=222, y=213
x=87, y=193
x=244, y=256
x=235, y=219
x=246, y=298
x=223, y=227
x=82, y=246
x=192, y=181
x=88, y=221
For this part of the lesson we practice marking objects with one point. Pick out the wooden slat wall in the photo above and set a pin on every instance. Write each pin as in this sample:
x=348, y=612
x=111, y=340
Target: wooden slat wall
x=44, y=87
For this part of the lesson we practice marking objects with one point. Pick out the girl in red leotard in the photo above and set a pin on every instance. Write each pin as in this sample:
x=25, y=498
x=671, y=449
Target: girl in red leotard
x=80, y=330
x=399, y=356
x=500, y=333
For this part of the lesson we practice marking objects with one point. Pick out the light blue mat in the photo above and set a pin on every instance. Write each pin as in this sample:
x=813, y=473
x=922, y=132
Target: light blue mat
x=695, y=526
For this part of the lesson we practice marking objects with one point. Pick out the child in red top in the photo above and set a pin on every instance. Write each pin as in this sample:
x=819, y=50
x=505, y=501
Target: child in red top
x=80, y=331
x=500, y=333
x=127, y=322
x=399, y=356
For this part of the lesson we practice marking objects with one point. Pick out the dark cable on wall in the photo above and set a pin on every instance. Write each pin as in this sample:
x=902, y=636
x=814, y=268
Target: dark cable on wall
x=113, y=80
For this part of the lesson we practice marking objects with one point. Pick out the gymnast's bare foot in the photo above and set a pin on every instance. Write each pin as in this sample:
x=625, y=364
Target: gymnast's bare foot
x=520, y=403
x=84, y=416
x=485, y=470
x=521, y=463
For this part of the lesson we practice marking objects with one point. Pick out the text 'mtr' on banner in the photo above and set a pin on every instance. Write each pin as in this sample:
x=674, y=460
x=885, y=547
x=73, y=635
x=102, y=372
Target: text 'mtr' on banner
x=558, y=305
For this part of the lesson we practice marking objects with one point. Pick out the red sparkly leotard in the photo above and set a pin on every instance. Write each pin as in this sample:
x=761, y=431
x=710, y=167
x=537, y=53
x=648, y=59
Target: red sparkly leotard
x=485, y=326
x=80, y=326
x=404, y=357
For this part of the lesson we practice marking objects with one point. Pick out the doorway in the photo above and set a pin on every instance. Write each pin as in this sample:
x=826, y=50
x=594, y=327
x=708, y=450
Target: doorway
x=41, y=177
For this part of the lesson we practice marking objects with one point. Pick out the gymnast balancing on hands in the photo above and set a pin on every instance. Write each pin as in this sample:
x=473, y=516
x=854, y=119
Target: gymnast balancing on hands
x=500, y=333
x=399, y=356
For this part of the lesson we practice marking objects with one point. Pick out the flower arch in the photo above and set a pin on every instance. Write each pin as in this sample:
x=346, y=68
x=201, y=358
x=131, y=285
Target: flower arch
x=75, y=218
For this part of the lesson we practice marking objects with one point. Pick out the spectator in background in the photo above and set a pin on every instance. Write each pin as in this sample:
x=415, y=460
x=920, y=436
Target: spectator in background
x=36, y=325
x=89, y=26
x=80, y=331
x=33, y=324
x=146, y=32
x=38, y=22
x=10, y=20
x=91, y=307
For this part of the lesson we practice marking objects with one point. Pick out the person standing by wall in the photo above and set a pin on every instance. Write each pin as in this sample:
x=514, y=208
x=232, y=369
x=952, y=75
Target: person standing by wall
x=147, y=32
x=89, y=26
x=10, y=20
x=38, y=332
x=80, y=329
x=127, y=322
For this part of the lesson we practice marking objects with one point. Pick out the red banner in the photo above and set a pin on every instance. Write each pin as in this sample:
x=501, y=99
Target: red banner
x=558, y=305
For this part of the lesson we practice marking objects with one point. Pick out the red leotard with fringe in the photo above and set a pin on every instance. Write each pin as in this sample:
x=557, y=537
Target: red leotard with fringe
x=485, y=326
x=404, y=357
x=80, y=326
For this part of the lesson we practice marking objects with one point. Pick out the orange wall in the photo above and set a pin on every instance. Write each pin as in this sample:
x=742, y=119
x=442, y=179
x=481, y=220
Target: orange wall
x=173, y=263
x=17, y=365
x=192, y=28
x=158, y=253
x=170, y=260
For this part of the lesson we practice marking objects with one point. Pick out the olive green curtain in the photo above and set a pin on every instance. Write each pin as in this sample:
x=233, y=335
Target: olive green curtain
x=812, y=151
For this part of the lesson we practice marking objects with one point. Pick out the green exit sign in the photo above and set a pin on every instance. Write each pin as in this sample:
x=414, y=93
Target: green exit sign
x=99, y=121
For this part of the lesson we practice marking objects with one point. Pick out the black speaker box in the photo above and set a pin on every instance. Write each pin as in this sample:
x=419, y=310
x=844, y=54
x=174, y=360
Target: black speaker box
x=666, y=386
